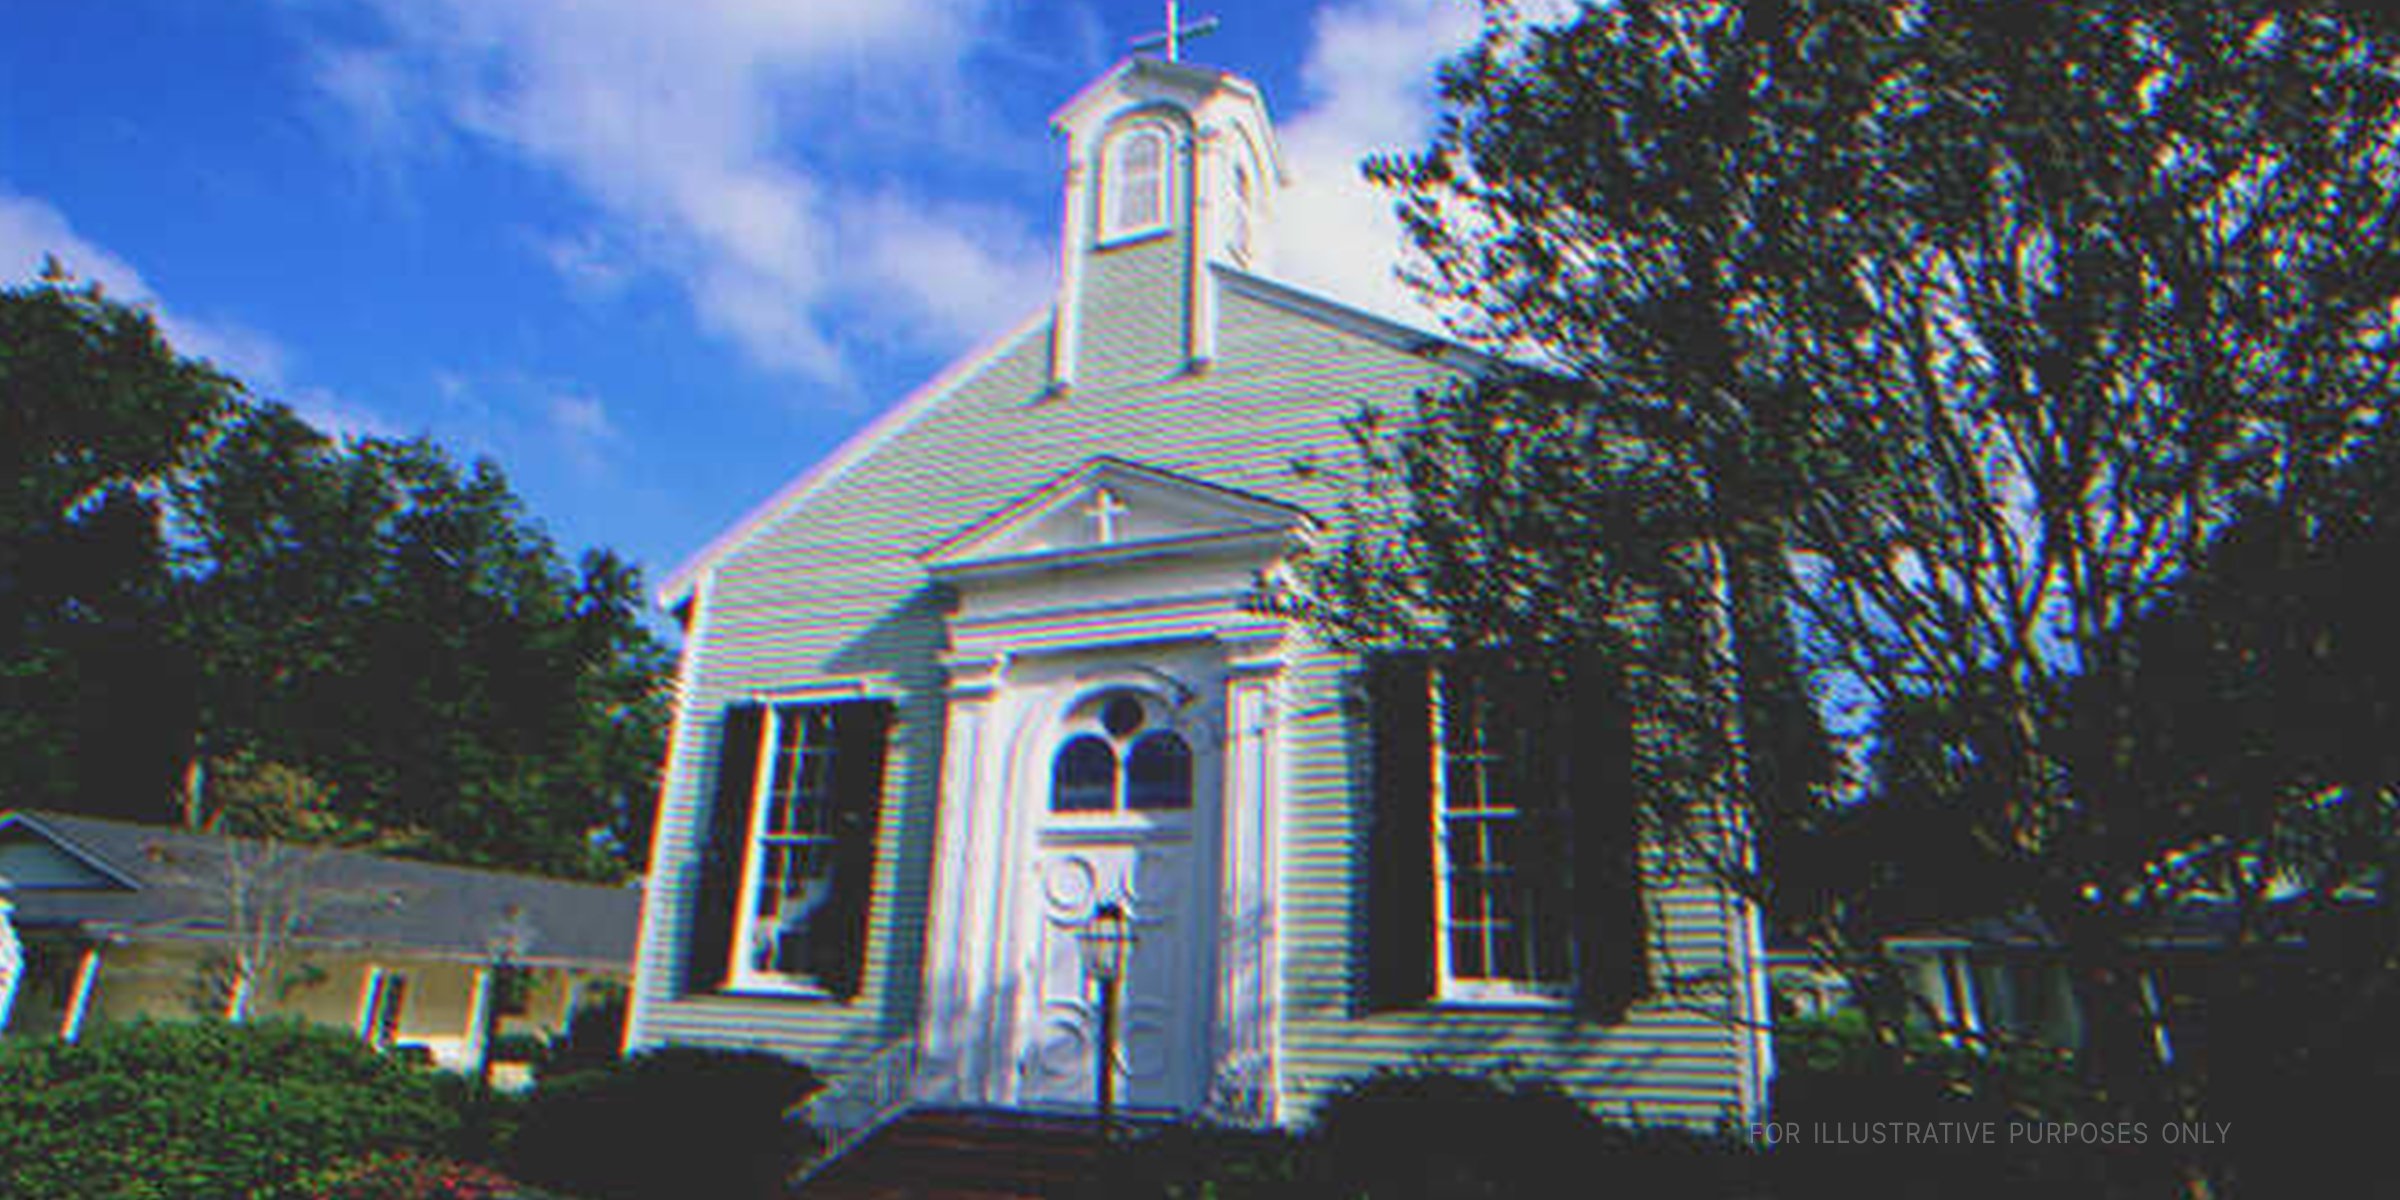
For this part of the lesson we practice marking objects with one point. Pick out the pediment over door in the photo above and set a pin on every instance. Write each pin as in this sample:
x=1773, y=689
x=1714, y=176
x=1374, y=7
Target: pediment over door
x=1109, y=509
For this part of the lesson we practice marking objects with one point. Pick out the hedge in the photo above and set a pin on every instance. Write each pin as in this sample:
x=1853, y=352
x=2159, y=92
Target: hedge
x=153, y=1110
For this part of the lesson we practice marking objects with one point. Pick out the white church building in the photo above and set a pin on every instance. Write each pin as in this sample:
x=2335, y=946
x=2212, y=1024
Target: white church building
x=997, y=663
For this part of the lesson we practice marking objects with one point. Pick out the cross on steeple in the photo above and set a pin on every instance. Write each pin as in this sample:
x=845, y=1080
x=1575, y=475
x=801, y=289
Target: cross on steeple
x=1104, y=510
x=1172, y=39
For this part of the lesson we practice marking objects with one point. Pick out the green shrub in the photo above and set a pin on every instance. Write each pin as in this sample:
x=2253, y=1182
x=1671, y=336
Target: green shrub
x=667, y=1124
x=486, y=1117
x=1396, y=1135
x=1829, y=1069
x=1835, y=1087
x=1186, y=1162
x=403, y=1175
x=143, y=1110
x=593, y=1039
x=517, y=1047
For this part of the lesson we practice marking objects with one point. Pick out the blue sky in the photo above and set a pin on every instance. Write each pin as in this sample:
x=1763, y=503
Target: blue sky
x=655, y=258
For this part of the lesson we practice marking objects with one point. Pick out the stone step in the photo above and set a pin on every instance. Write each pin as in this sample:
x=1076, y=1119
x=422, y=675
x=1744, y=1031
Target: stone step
x=964, y=1154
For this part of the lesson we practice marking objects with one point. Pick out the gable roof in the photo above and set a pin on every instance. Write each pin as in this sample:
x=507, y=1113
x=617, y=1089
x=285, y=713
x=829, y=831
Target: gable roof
x=1224, y=508
x=165, y=882
x=677, y=589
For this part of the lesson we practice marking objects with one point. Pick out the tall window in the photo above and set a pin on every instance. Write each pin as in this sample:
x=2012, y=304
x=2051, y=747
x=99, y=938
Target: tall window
x=785, y=876
x=791, y=871
x=1500, y=887
x=1502, y=839
x=1134, y=183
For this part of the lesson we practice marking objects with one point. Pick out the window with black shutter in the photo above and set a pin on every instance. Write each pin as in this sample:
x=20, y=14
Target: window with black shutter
x=787, y=878
x=1501, y=838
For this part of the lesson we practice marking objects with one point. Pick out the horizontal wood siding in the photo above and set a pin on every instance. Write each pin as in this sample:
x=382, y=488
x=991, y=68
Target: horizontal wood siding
x=833, y=590
x=1133, y=328
x=1679, y=1057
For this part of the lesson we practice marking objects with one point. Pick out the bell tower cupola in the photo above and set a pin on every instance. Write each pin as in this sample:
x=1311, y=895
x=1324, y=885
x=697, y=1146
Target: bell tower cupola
x=1172, y=170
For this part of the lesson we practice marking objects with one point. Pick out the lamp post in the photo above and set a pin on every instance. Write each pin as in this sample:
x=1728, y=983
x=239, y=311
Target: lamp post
x=1106, y=940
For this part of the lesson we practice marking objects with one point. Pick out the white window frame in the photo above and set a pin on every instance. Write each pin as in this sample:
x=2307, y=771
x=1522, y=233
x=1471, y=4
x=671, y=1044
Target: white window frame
x=741, y=975
x=1449, y=986
x=1115, y=225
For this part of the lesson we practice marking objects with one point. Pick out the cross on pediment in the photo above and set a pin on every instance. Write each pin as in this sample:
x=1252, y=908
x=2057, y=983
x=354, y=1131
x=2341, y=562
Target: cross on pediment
x=1172, y=40
x=1104, y=510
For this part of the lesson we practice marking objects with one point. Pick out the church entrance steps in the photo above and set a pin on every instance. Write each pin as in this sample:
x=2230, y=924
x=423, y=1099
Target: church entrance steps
x=963, y=1154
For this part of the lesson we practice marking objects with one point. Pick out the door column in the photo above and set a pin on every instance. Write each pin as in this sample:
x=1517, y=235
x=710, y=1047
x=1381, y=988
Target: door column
x=1242, y=1085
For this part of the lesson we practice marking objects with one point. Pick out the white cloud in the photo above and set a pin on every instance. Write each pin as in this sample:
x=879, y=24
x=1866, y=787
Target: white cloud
x=578, y=423
x=31, y=229
x=581, y=417
x=959, y=270
x=592, y=267
x=375, y=89
x=1368, y=86
x=329, y=412
x=686, y=127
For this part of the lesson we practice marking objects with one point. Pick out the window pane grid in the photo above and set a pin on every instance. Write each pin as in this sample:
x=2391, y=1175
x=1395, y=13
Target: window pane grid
x=1137, y=191
x=1500, y=926
x=795, y=841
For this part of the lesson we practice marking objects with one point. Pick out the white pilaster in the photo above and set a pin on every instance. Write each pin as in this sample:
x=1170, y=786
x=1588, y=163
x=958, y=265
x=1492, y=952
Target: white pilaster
x=1074, y=238
x=1245, y=1044
x=959, y=923
x=1200, y=245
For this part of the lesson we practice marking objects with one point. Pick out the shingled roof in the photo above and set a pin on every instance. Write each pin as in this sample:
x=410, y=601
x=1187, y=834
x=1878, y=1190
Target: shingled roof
x=138, y=880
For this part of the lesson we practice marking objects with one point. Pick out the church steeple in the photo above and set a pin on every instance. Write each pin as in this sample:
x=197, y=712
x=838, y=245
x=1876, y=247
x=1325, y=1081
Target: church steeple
x=1171, y=167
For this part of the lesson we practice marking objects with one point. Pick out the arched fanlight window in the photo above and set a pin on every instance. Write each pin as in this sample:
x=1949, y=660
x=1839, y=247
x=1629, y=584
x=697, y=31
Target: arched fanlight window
x=1084, y=776
x=1134, y=191
x=1158, y=773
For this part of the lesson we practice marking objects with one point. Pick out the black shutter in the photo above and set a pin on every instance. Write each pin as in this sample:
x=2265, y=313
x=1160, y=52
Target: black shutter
x=837, y=938
x=1400, y=832
x=720, y=874
x=1612, y=967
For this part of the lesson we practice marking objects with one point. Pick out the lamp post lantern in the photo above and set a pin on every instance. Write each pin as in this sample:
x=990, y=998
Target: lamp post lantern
x=1107, y=941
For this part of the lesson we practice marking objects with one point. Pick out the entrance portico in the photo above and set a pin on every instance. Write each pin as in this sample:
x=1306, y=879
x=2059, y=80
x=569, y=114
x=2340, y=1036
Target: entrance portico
x=1110, y=738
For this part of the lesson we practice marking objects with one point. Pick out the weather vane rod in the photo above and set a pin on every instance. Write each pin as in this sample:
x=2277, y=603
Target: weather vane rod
x=1172, y=39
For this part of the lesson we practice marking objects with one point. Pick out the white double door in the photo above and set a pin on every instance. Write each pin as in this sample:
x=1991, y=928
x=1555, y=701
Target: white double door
x=1154, y=873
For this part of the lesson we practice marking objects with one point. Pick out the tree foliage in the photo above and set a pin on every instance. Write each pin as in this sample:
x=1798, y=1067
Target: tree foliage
x=375, y=615
x=96, y=413
x=146, y=1110
x=236, y=594
x=1950, y=339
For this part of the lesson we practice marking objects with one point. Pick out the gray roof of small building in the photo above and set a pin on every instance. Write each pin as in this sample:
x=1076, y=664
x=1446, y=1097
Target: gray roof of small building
x=156, y=881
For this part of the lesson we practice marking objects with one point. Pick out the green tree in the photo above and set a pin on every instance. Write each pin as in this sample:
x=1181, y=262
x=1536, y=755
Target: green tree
x=403, y=631
x=1940, y=342
x=97, y=413
x=193, y=582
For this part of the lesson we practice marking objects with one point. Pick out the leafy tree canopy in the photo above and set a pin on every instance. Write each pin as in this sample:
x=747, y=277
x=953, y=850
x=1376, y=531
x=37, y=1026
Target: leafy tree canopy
x=1935, y=346
x=363, y=620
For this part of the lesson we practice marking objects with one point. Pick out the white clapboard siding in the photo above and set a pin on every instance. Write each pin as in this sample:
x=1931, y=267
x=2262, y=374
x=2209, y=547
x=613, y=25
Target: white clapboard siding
x=831, y=588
